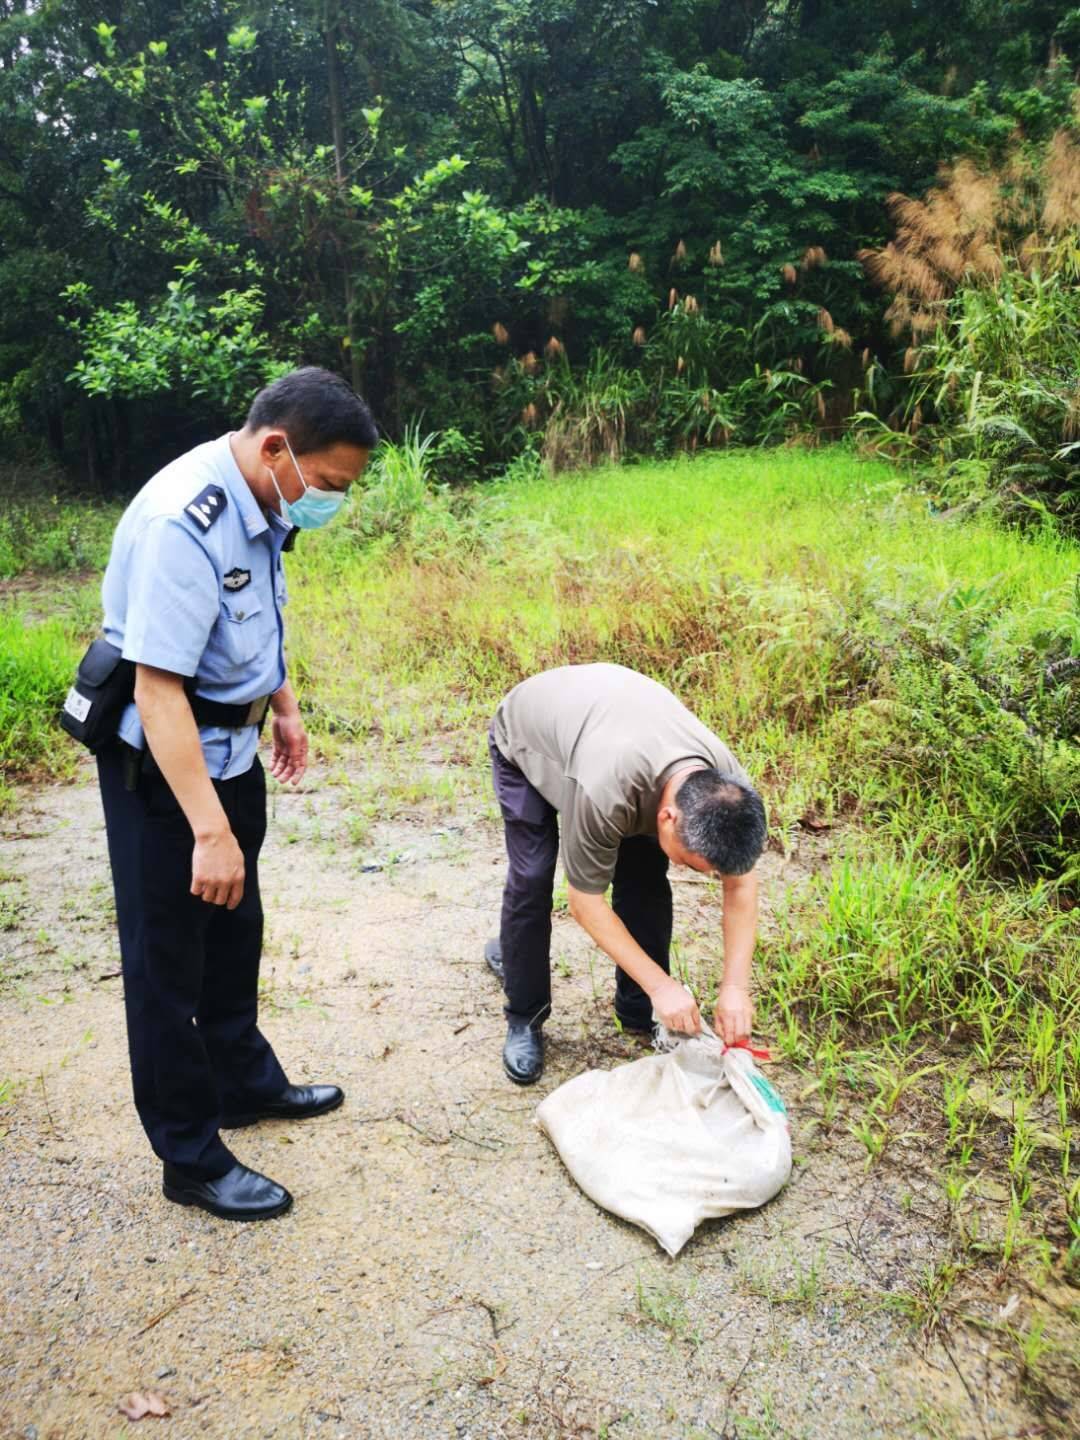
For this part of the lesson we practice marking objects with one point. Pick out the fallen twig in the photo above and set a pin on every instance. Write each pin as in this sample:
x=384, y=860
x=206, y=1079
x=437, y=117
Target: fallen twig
x=187, y=1295
x=484, y=1144
x=45, y=1098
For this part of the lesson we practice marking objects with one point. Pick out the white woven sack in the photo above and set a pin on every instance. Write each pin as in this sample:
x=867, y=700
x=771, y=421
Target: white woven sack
x=691, y=1133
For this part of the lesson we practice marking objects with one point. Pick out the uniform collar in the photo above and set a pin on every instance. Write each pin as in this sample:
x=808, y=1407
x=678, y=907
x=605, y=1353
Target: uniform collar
x=251, y=513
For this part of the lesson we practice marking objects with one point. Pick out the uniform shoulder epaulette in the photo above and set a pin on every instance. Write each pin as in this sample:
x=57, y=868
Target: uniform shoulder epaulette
x=207, y=506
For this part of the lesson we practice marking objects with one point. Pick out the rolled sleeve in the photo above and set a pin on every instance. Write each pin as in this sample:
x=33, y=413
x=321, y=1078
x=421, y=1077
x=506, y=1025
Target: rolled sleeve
x=172, y=598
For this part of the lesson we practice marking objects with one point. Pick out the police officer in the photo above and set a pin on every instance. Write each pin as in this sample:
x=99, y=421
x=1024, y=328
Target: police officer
x=193, y=595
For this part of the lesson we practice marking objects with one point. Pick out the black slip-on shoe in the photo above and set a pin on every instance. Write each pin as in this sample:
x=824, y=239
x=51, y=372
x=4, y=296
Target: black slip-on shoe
x=523, y=1053
x=296, y=1102
x=493, y=956
x=239, y=1194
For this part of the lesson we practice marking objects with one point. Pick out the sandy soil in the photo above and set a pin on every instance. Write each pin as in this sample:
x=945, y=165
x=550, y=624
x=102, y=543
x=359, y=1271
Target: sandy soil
x=440, y=1274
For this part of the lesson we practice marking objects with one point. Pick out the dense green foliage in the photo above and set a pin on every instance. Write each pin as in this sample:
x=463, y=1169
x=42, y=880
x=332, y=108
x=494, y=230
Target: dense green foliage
x=589, y=226
x=984, y=274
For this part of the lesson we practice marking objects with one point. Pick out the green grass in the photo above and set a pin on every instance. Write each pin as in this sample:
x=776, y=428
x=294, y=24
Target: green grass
x=49, y=540
x=810, y=610
x=52, y=533
x=37, y=662
x=665, y=1306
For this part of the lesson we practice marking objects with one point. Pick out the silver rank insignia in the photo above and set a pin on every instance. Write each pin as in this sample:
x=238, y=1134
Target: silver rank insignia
x=207, y=506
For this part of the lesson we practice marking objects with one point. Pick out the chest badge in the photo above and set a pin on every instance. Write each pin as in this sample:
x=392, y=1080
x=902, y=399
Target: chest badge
x=236, y=579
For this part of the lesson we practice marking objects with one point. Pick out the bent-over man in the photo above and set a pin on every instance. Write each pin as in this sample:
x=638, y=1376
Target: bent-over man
x=193, y=597
x=635, y=782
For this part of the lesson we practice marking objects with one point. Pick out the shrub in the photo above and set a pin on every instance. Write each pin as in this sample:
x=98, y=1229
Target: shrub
x=53, y=534
x=215, y=354
x=402, y=503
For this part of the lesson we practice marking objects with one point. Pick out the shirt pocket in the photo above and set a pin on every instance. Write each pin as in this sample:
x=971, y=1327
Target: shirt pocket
x=241, y=633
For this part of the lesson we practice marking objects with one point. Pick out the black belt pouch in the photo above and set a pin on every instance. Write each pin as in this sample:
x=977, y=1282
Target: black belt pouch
x=104, y=684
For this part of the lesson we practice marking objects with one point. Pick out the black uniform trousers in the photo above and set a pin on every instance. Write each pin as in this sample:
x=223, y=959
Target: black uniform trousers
x=640, y=896
x=191, y=969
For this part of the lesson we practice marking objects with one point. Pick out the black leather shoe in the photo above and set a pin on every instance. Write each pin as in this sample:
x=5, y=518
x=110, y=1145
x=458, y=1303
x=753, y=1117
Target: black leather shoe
x=240, y=1194
x=296, y=1102
x=523, y=1053
x=493, y=956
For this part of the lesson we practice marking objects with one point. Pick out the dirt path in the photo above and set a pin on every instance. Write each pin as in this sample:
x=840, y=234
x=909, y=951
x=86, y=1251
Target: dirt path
x=439, y=1275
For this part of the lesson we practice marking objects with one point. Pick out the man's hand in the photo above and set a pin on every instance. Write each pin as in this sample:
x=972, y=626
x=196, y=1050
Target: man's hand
x=734, y=1018
x=288, y=759
x=217, y=869
x=676, y=1007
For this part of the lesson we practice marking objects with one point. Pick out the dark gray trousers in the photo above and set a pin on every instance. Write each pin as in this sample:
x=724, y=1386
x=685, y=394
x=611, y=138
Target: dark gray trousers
x=640, y=896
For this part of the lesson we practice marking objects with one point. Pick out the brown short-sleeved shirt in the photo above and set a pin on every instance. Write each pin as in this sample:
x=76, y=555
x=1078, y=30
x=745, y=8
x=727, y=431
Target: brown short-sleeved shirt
x=599, y=742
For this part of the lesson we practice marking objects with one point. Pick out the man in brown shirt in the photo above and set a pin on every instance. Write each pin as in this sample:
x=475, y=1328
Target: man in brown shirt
x=634, y=781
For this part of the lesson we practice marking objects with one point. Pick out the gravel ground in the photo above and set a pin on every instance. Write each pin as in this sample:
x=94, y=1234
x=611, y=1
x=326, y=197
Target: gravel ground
x=440, y=1274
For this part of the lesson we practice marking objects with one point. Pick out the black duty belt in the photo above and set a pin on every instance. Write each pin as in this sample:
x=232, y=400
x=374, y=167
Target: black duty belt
x=206, y=712
x=232, y=717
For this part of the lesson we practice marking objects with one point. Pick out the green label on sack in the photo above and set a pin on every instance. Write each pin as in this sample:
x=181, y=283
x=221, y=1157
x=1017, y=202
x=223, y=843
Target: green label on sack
x=772, y=1099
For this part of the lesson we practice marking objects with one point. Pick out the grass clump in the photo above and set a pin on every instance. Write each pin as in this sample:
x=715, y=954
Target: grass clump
x=37, y=662
x=53, y=534
x=404, y=505
x=983, y=276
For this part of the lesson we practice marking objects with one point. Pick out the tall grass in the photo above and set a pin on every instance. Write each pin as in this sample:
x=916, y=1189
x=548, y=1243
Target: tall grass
x=695, y=383
x=37, y=662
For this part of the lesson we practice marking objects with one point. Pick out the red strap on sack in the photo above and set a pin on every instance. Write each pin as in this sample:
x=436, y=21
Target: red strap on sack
x=765, y=1055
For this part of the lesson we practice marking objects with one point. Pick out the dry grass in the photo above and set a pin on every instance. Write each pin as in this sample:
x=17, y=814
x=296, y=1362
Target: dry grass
x=969, y=225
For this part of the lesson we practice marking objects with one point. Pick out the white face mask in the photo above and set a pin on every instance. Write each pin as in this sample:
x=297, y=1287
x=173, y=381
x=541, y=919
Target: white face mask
x=314, y=507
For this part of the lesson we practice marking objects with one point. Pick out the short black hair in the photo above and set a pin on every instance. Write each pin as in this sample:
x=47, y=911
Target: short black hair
x=317, y=408
x=721, y=818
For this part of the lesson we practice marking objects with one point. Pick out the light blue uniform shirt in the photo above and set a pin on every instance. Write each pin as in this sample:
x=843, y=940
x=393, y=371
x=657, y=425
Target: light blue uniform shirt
x=195, y=585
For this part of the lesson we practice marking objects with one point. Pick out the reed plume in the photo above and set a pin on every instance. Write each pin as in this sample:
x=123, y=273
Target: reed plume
x=969, y=225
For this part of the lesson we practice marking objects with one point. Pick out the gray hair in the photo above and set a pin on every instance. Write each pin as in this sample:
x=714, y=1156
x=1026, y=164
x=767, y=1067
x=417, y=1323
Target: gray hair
x=721, y=818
